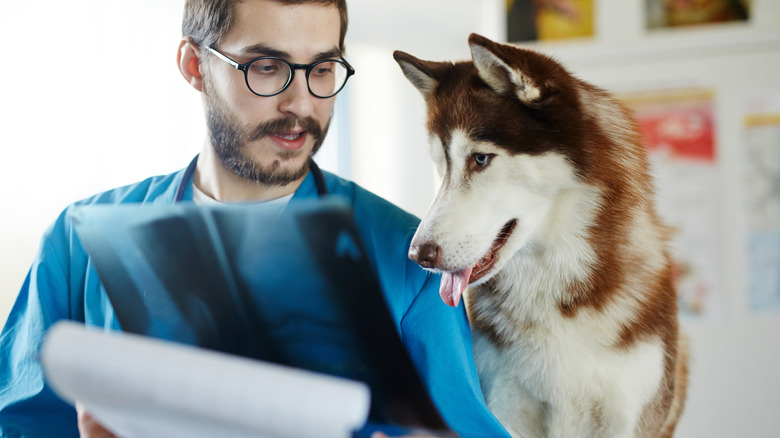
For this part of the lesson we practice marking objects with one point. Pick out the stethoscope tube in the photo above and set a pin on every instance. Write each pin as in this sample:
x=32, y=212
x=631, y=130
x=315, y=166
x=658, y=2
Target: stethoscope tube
x=319, y=179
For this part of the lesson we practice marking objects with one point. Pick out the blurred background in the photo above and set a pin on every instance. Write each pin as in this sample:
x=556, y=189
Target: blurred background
x=92, y=99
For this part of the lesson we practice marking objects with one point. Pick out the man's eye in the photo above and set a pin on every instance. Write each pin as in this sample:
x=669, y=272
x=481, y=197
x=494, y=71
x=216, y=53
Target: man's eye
x=268, y=67
x=323, y=69
x=265, y=69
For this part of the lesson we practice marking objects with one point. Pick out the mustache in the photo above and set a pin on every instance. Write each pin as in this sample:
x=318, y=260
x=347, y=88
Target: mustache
x=281, y=126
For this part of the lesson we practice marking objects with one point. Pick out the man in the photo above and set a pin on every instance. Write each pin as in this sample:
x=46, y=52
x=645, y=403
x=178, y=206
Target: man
x=263, y=129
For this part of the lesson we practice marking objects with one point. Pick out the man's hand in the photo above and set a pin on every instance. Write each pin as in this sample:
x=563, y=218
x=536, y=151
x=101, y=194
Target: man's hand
x=89, y=427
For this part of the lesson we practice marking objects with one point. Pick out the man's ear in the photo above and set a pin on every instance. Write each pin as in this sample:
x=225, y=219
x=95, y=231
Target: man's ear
x=422, y=74
x=188, y=59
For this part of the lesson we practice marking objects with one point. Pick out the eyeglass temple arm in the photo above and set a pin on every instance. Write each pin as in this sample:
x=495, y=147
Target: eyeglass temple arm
x=224, y=58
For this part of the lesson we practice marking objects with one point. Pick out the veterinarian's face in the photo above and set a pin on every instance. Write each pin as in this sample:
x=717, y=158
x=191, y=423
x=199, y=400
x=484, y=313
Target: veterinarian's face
x=269, y=139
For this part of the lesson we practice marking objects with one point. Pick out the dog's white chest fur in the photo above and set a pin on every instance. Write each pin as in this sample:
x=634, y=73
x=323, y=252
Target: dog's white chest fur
x=559, y=380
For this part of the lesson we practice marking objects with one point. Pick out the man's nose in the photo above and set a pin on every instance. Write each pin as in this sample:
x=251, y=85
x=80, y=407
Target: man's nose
x=296, y=99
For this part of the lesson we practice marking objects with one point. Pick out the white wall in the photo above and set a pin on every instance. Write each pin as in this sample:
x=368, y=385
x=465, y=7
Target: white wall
x=91, y=99
x=388, y=140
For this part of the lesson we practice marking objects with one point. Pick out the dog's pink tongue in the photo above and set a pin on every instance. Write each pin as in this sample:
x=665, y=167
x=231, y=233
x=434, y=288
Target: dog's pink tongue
x=453, y=284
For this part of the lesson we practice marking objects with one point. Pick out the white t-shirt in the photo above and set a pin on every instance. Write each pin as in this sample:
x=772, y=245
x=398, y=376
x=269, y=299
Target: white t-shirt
x=275, y=206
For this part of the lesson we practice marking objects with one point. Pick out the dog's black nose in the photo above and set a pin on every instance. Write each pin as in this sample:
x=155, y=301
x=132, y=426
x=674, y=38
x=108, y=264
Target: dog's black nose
x=426, y=255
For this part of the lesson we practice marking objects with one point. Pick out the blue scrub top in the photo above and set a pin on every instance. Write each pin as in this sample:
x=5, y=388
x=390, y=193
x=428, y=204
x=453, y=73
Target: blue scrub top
x=63, y=284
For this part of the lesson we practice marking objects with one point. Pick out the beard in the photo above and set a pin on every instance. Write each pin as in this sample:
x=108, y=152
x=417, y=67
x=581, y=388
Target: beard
x=229, y=139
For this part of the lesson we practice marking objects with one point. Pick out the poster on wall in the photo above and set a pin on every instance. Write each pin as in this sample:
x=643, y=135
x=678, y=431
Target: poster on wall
x=529, y=20
x=677, y=13
x=678, y=129
x=761, y=183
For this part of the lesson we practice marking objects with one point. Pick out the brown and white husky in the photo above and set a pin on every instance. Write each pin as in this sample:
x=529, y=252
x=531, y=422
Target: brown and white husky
x=546, y=212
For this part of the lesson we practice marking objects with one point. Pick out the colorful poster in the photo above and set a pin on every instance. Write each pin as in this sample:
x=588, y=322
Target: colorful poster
x=761, y=184
x=529, y=20
x=678, y=129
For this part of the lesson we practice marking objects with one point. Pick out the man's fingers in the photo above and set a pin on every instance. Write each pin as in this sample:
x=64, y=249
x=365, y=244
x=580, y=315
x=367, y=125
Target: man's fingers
x=88, y=426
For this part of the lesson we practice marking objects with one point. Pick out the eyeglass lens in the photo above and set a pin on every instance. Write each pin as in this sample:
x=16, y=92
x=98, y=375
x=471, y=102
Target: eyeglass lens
x=268, y=76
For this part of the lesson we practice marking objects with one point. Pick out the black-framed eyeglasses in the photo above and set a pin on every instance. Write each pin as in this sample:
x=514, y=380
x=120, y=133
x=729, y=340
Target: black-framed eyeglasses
x=268, y=75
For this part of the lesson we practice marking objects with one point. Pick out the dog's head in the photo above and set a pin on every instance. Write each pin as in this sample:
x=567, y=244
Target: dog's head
x=510, y=135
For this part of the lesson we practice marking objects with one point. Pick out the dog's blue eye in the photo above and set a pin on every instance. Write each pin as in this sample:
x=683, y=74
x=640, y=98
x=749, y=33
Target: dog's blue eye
x=481, y=159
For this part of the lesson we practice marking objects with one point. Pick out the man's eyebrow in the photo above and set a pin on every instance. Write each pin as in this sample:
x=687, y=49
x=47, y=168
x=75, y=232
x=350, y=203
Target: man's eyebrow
x=330, y=54
x=264, y=50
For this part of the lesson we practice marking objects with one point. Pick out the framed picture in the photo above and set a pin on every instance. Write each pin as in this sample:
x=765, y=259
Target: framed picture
x=529, y=20
x=678, y=13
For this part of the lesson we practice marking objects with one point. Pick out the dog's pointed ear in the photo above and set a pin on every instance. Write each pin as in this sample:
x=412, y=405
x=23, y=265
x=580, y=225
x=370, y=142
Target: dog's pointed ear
x=490, y=59
x=422, y=74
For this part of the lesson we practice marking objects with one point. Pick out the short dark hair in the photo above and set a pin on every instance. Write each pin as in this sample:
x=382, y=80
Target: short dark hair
x=205, y=21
